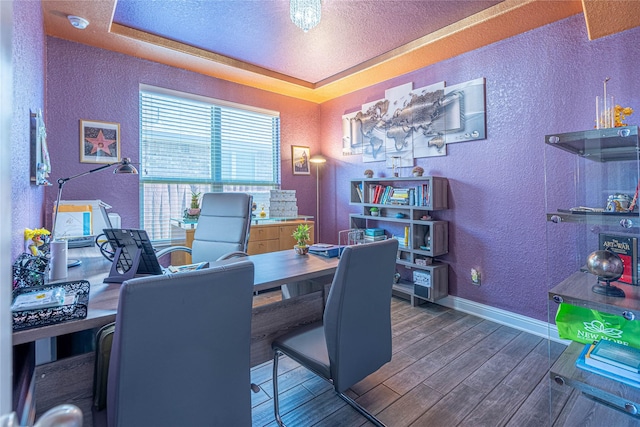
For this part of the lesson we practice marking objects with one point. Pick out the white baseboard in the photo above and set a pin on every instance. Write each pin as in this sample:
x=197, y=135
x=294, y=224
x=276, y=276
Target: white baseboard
x=503, y=317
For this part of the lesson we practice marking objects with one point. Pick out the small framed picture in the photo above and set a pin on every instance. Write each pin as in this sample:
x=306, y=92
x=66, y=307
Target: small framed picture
x=300, y=160
x=99, y=142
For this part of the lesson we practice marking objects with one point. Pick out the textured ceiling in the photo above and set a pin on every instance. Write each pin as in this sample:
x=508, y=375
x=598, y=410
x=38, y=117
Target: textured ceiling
x=261, y=33
x=358, y=43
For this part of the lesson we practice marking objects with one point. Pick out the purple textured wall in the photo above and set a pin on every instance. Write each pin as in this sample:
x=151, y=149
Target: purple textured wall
x=540, y=82
x=94, y=84
x=28, y=94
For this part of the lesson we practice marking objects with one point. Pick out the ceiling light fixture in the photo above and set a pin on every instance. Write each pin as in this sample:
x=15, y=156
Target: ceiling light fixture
x=78, y=22
x=305, y=14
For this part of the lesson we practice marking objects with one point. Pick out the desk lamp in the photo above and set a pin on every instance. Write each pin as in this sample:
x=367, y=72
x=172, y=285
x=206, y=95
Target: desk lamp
x=317, y=160
x=124, y=166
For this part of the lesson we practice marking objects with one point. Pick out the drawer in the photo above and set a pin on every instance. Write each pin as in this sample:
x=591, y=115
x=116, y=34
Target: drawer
x=262, y=233
x=263, y=246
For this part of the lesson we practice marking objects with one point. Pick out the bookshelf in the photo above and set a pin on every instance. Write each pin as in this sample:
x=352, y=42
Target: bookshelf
x=405, y=210
x=583, y=170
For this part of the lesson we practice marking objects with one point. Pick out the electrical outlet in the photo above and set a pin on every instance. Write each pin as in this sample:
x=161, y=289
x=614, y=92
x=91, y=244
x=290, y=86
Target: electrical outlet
x=475, y=277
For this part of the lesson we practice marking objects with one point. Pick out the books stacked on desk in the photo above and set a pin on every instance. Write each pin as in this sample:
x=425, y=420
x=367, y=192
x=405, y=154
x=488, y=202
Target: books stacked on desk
x=612, y=360
x=374, y=234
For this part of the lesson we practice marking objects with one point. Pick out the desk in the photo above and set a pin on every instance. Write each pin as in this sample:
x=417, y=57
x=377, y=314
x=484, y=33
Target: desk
x=70, y=380
x=272, y=269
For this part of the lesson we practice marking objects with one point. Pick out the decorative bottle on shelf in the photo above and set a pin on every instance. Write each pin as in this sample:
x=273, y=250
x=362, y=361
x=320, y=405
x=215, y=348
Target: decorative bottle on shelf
x=263, y=214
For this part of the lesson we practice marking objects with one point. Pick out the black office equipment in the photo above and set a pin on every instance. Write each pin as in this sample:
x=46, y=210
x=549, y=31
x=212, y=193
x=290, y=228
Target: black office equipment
x=133, y=254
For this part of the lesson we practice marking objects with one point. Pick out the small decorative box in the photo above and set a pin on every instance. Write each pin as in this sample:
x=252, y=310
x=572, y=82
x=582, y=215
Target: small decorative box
x=422, y=278
x=75, y=292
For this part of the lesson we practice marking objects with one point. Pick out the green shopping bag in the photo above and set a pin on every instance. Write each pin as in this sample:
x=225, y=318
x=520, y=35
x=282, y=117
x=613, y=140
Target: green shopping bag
x=586, y=326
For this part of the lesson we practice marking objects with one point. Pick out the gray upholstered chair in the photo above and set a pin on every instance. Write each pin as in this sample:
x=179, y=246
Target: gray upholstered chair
x=354, y=338
x=223, y=228
x=181, y=349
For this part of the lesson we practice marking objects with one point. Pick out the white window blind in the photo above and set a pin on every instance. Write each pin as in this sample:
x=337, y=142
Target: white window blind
x=191, y=143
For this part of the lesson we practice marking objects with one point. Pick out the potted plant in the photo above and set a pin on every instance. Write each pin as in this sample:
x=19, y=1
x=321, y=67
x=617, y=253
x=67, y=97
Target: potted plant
x=194, y=209
x=417, y=171
x=192, y=213
x=301, y=234
x=374, y=211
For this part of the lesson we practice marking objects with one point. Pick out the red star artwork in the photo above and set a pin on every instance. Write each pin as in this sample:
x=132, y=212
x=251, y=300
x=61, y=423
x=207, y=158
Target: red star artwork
x=100, y=143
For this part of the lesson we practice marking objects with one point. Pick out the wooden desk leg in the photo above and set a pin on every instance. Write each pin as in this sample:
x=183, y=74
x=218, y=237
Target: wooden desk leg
x=304, y=287
x=272, y=320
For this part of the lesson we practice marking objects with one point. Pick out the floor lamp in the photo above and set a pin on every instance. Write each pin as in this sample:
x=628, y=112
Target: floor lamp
x=317, y=160
x=124, y=166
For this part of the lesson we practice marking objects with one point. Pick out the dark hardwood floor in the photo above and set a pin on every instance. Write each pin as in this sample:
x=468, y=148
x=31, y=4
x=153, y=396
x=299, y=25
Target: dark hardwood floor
x=448, y=369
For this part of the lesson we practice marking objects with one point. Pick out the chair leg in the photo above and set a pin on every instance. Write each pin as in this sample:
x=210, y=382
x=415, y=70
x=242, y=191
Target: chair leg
x=276, y=404
x=368, y=415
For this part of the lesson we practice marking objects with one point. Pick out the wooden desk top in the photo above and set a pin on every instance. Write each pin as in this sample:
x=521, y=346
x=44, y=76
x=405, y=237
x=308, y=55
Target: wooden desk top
x=271, y=270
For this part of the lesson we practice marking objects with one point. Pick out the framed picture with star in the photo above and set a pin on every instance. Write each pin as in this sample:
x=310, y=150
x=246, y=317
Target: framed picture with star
x=99, y=142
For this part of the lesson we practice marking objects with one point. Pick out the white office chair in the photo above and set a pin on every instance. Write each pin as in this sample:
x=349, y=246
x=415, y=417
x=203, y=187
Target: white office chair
x=223, y=228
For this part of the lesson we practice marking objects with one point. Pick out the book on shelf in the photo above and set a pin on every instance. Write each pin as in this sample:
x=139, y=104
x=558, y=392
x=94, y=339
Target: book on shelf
x=375, y=194
x=368, y=238
x=358, y=186
x=618, y=355
x=587, y=363
x=399, y=196
x=627, y=249
x=401, y=242
x=374, y=231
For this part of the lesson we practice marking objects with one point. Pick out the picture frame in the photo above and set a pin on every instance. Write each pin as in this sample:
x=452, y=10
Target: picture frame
x=99, y=142
x=300, y=160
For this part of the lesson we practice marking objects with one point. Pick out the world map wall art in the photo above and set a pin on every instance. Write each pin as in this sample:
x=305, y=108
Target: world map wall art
x=410, y=123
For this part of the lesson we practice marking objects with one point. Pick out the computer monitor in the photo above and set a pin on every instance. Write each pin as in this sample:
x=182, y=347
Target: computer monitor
x=134, y=254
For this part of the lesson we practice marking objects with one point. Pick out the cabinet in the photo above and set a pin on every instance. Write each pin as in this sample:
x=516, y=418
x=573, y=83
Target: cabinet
x=582, y=171
x=265, y=235
x=404, y=210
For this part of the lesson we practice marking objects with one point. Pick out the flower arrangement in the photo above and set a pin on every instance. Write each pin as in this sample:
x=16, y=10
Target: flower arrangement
x=417, y=171
x=35, y=240
x=368, y=173
x=621, y=114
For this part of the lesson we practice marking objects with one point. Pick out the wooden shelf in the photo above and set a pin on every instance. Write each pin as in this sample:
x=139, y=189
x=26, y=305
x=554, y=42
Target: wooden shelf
x=432, y=234
x=576, y=290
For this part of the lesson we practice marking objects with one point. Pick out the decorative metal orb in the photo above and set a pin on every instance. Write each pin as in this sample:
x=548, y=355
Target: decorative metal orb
x=606, y=265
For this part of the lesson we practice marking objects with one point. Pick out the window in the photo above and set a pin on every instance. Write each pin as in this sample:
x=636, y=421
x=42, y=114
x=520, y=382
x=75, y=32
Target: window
x=192, y=143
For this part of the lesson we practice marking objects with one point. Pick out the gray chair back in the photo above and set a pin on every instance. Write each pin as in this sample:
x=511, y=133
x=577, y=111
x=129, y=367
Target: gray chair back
x=223, y=226
x=181, y=349
x=357, y=317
